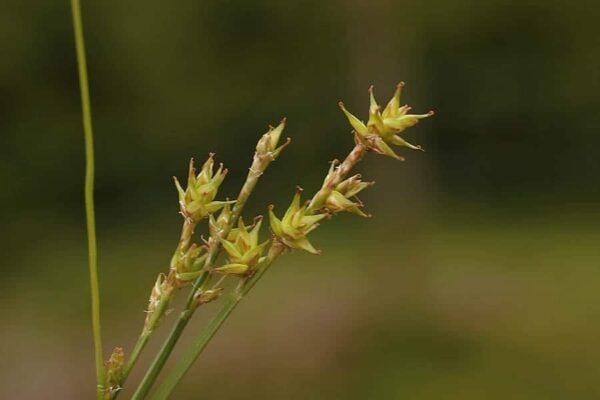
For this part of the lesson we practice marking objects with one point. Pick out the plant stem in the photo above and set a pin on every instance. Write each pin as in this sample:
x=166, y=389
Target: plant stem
x=193, y=351
x=162, y=356
x=89, y=194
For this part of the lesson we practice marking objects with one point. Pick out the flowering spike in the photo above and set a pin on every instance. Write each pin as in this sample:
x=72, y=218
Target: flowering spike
x=382, y=128
x=243, y=249
x=295, y=225
x=267, y=145
x=339, y=198
x=197, y=200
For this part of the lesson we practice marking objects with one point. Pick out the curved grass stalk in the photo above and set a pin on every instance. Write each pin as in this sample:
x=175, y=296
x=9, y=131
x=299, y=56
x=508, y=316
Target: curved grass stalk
x=89, y=194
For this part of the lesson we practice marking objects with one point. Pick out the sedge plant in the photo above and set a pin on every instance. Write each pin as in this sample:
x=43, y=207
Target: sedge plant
x=231, y=248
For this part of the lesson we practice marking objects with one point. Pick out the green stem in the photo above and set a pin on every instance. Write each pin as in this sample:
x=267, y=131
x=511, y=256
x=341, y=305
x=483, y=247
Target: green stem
x=89, y=193
x=201, y=341
x=162, y=356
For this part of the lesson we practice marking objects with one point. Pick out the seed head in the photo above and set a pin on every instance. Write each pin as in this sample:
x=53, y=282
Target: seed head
x=243, y=250
x=383, y=127
x=197, y=200
x=267, y=145
x=295, y=225
x=339, y=198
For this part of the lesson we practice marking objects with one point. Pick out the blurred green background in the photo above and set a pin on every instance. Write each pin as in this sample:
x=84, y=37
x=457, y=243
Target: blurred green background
x=478, y=276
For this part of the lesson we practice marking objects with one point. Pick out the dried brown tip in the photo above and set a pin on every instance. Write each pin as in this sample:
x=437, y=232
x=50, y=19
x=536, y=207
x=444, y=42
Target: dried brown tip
x=431, y=112
x=400, y=84
x=270, y=207
x=211, y=154
x=283, y=120
x=371, y=89
x=341, y=104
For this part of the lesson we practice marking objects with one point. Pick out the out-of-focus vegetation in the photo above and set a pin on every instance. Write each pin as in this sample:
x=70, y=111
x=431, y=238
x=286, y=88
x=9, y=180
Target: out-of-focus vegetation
x=477, y=276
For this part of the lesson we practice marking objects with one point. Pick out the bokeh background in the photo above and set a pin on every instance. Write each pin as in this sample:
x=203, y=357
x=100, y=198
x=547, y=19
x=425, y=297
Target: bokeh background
x=478, y=276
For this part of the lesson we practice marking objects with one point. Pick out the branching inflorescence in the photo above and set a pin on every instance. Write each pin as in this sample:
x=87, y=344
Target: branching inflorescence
x=246, y=257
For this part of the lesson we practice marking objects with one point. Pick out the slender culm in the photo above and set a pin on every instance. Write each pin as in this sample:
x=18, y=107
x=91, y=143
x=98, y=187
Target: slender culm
x=89, y=193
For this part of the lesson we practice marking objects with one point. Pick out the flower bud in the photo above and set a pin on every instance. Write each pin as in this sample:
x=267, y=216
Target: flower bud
x=295, y=225
x=383, y=127
x=197, y=200
x=243, y=250
x=267, y=144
